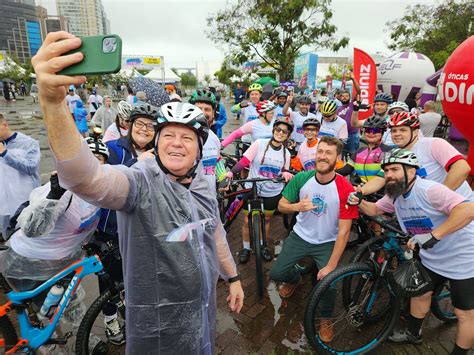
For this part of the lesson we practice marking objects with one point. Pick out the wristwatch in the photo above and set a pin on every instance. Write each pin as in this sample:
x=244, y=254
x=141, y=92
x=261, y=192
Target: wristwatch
x=234, y=279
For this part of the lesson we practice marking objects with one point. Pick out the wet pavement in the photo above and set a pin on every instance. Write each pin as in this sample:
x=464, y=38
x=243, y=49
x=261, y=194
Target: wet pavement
x=267, y=326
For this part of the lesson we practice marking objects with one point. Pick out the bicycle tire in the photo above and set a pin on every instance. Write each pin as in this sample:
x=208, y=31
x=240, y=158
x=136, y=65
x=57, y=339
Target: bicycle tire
x=438, y=311
x=8, y=333
x=354, y=335
x=84, y=330
x=256, y=234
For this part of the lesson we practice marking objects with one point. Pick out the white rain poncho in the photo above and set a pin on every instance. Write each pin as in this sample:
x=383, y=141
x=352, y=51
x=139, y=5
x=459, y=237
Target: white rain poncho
x=19, y=174
x=173, y=248
x=50, y=236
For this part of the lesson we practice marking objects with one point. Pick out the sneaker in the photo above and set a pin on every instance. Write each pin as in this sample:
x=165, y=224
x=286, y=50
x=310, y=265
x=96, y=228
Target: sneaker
x=404, y=336
x=114, y=332
x=286, y=290
x=326, y=331
x=244, y=255
x=266, y=254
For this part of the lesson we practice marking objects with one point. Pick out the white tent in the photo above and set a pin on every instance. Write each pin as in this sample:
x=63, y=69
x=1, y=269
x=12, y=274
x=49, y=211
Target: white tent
x=157, y=75
x=130, y=72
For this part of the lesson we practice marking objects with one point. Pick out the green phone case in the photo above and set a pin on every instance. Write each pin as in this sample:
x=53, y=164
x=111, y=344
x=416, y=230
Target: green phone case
x=102, y=55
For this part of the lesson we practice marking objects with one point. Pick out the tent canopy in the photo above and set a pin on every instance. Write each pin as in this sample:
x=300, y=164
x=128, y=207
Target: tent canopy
x=157, y=75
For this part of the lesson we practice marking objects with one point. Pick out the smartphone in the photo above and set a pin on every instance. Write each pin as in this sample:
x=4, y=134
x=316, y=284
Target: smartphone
x=102, y=55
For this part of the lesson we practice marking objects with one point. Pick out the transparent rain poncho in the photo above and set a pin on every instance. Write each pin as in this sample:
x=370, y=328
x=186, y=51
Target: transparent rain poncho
x=50, y=235
x=19, y=174
x=173, y=249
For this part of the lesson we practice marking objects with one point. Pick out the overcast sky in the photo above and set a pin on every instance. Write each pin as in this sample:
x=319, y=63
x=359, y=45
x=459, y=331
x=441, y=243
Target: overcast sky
x=176, y=29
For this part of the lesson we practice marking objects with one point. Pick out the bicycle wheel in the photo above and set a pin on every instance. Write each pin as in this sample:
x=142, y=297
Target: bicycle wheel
x=441, y=305
x=354, y=327
x=8, y=336
x=257, y=235
x=93, y=325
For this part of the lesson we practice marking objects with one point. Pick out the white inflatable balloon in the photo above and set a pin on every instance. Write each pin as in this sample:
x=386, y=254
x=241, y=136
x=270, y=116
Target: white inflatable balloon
x=404, y=73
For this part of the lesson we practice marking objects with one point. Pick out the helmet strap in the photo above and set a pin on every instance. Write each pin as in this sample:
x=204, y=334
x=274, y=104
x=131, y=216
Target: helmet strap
x=412, y=139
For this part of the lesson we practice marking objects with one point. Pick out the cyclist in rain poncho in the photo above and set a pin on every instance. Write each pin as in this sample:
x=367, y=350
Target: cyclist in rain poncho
x=171, y=239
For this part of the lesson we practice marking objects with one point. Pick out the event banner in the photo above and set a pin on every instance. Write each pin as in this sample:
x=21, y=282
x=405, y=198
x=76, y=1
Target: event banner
x=365, y=72
x=305, y=70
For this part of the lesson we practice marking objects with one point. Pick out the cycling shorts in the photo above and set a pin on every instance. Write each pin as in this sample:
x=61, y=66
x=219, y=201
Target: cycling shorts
x=462, y=291
x=270, y=204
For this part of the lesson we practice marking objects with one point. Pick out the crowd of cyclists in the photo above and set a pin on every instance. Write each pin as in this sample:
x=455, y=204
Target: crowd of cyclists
x=148, y=183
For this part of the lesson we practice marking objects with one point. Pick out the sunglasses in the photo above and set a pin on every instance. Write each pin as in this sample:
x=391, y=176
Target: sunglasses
x=372, y=130
x=327, y=116
x=310, y=129
x=281, y=130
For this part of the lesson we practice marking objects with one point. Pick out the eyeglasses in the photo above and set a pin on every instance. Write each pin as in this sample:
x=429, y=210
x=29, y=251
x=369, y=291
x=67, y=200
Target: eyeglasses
x=372, y=130
x=327, y=116
x=310, y=129
x=281, y=130
x=141, y=124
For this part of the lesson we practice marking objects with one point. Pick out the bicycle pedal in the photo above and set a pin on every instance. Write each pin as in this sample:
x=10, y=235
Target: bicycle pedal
x=60, y=341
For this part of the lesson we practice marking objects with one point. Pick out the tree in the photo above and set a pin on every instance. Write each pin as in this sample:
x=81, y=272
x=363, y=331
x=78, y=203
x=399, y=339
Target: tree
x=226, y=72
x=435, y=30
x=207, y=79
x=188, y=80
x=274, y=31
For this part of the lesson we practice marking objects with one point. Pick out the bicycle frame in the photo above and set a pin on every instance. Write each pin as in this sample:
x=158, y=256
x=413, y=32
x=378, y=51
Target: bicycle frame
x=32, y=336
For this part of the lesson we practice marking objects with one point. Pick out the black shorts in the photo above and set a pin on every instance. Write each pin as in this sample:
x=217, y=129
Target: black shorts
x=462, y=291
x=270, y=204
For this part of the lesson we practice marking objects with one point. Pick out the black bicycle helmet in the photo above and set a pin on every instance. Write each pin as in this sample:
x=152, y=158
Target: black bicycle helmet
x=383, y=97
x=144, y=110
x=282, y=120
x=376, y=122
x=282, y=94
x=313, y=121
x=304, y=100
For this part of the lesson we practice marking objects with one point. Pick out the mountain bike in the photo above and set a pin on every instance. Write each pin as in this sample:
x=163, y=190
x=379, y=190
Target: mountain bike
x=92, y=327
x=32, y=332
x=256, y=218
x=441, y=305
x=359, y=301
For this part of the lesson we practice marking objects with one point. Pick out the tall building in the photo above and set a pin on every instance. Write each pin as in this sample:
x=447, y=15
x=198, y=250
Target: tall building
x=20, y=32
x=50, y=23
x=85, y=17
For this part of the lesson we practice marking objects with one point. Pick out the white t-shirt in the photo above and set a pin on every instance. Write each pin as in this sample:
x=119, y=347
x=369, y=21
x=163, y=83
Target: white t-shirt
x=428, y=123
x=336, y=128
x=307, y=156
x=97, y=99
x=321, y=224
x=297, y=118
x=210, y=154
x=426, y=207
x=258, y=130
x=278, y=113
x=248, y=114
x=71, y=101
x=436, y=156
x=272, y=166
x=71, y=229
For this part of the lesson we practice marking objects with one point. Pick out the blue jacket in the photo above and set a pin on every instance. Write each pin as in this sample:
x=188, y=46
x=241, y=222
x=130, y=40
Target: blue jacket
x=221, y=120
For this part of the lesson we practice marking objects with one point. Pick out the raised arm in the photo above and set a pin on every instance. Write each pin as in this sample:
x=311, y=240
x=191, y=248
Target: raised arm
x=288, y=102
x=78, y=169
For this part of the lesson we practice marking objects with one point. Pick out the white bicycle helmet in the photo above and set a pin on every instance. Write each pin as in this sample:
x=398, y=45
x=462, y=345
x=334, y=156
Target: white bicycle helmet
x=124, y=109
x=400, y=156
x=323, y=99
x=96, y=146
x=398, y=105
x=190, y=116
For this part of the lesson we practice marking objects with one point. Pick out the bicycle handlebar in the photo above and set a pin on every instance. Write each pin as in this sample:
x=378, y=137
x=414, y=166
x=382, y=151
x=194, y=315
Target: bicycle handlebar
x=400, y=234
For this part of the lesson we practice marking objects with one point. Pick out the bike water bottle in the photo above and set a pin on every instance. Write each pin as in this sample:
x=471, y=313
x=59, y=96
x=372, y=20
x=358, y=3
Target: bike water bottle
x=52, y=300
